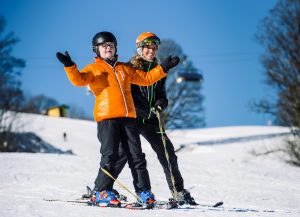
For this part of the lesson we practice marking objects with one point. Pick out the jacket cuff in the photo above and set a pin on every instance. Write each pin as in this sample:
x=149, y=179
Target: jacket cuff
x=164, y=68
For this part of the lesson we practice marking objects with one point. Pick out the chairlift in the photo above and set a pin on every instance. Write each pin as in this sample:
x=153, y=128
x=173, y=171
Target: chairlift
x=189, y=77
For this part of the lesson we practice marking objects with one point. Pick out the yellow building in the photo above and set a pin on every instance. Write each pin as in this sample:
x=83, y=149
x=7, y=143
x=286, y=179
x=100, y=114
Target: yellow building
x=58, y=111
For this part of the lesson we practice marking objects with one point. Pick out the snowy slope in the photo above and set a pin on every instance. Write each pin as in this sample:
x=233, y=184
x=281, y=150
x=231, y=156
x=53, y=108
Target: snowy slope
x=216, y=163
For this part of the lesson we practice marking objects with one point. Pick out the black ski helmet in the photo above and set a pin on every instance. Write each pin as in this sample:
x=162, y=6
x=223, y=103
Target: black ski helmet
x=102, y=37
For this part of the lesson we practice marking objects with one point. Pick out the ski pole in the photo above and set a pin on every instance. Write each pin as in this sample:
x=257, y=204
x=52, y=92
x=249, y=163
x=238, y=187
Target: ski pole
x=121, y=185
x=175, y=193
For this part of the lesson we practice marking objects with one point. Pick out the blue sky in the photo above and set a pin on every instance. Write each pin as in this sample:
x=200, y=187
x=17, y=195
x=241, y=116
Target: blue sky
x=217, y=35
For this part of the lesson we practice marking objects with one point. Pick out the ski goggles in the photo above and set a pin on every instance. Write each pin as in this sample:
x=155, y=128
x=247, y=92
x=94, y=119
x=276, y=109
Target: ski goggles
x=148, y=42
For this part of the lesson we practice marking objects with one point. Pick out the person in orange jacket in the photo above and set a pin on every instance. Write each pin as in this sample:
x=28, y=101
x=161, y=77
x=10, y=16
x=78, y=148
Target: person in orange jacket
x=110, y=81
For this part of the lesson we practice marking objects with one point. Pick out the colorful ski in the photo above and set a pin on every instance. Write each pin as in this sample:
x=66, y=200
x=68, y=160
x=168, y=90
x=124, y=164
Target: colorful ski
x=137, y=206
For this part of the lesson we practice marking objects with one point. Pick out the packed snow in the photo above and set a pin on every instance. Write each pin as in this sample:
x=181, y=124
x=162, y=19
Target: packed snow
x=218, y=164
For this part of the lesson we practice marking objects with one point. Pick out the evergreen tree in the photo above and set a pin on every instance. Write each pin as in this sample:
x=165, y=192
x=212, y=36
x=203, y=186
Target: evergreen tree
x=185, y=108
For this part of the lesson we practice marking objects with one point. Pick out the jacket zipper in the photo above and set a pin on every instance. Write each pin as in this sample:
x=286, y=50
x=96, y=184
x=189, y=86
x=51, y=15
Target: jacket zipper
x=121, y=75
x=123, y=95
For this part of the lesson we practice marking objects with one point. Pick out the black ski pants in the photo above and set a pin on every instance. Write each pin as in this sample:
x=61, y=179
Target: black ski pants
x=119, y=140
x=151, y=132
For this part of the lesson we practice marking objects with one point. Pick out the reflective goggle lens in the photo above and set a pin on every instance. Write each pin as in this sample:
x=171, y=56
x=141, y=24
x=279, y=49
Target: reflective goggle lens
x=148, y=42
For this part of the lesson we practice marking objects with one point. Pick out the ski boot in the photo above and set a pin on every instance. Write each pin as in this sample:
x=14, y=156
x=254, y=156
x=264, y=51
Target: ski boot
x=92, y=193
x=147, y=199
x=105, y=198
x=119, y=196
x=184, y=197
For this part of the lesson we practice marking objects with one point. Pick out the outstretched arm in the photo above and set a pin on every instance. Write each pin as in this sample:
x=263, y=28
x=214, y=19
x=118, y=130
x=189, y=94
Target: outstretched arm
x=76, y=77
x=147, y=78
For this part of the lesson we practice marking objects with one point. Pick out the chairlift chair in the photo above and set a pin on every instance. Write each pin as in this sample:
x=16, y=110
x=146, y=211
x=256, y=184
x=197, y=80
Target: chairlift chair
x=189, y=77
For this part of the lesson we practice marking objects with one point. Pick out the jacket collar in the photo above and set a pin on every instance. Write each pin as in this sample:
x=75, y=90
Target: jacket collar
x=112, y=62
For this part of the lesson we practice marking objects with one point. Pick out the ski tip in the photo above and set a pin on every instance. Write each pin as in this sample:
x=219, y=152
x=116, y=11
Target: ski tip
x=220, y=203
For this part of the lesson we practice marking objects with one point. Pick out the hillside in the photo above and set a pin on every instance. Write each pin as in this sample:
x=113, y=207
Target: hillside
x=216, y=164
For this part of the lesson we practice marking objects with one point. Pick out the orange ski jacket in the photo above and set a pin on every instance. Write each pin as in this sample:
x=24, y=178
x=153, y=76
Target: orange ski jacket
x=111, y=86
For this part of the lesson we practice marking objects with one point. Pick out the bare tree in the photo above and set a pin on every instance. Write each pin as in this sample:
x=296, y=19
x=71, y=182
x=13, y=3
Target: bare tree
x=38, y=104
x=279, y=33
x=185, y=108
x=10, y=93
x=76, y=112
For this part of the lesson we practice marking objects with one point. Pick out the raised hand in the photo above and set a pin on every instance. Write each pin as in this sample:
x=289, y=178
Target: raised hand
x=170, y=62
x=65, y=59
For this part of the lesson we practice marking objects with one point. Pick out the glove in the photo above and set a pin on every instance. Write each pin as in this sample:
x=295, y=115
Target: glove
x=160, y=105
x=170, y=62
x=65, y=59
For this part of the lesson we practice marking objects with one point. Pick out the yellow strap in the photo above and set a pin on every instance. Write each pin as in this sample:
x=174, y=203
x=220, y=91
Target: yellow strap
x=123, y=186
x=175, y=193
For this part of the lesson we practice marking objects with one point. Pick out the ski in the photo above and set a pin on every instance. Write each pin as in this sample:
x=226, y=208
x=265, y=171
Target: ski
x=162, y=205
x=125, y=205
x=66, y=201
x=137, y=206
x=217, y=204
